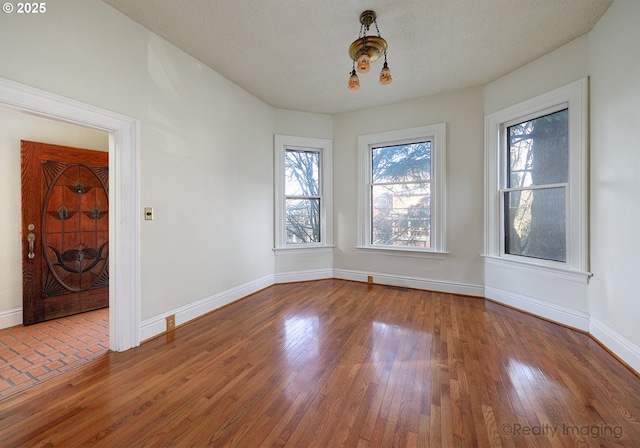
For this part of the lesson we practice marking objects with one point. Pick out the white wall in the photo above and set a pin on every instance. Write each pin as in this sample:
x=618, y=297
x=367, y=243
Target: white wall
x=16, y=126
x=558, y=68
x=205, y=144
x=303, y=124
x=462, y=269
x=615, y=169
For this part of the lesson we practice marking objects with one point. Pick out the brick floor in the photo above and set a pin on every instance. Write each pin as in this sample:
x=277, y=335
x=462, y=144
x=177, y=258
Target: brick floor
x=35, y=353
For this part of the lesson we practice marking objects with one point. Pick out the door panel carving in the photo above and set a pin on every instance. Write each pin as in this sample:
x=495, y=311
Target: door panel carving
x=75, y=228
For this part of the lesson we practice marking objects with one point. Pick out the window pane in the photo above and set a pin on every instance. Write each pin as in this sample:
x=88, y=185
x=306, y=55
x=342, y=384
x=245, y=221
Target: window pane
x=401, y=215
x=401, y=163
x=303, y=220
x=302, y=173
x=535, y=223
x=539, y=151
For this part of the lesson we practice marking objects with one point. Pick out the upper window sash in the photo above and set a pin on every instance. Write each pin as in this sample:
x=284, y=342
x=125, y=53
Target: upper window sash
x=297, y=191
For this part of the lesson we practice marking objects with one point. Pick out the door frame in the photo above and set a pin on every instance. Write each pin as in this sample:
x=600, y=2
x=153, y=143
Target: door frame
x=124, y=175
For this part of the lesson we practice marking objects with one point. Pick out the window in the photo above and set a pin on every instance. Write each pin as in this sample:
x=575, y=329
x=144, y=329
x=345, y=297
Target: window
x=401, y=195
x=302, y=195
x=401, y=200
x=535, y=194
x=536, y=162
x=303, y=192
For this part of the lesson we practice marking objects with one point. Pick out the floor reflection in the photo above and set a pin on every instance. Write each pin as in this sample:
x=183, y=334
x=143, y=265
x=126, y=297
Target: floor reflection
x=395, y=345
x=302, y=334
x=300, y=347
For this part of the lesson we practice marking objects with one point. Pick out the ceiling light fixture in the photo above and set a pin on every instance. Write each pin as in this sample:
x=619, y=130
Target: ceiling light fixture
x=366, y=49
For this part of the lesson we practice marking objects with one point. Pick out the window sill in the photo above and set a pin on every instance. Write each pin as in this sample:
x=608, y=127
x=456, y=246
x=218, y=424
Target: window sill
x=303, y=249
x=403, y=252
x=528, y=267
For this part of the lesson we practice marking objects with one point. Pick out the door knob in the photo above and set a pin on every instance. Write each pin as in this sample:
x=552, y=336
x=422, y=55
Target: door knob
x=31, y=239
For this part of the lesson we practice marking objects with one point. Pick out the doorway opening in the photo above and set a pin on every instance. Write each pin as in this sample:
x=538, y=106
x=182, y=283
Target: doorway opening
x=30, y=354
x=124, y=257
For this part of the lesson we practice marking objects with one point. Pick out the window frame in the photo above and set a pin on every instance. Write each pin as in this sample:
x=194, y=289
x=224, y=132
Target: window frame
x=573, y=96
x=324, y=147
x=436, y=133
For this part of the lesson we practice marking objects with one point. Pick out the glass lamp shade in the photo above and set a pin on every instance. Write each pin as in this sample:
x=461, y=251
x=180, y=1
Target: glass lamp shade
x=385, y=75
x=363, y=63
x=354, y=82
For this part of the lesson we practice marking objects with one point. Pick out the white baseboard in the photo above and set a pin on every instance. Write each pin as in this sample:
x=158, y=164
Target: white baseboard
x=157, y=325
x=555, y=313
x=411, y=282
x=11, y=318
x=303, y=276
x=623, y=348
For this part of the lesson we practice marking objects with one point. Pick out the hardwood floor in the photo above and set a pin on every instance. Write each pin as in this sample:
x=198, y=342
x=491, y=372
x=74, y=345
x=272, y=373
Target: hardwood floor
x=335, y=363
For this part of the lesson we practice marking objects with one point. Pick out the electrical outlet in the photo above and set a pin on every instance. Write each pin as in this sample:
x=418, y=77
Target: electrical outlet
x=171, y=322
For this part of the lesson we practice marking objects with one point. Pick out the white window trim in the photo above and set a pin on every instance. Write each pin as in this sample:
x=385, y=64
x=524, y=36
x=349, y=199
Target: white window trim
x=325, y=148
x=437, y=134
x=575, y=96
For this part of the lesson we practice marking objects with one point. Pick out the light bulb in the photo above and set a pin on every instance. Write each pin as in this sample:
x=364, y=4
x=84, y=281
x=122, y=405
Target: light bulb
x=354, y=82
x=385, y=75
x=364, y=63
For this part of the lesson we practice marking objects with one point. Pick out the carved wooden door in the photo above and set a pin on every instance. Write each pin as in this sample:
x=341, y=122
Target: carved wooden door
x=65, y=231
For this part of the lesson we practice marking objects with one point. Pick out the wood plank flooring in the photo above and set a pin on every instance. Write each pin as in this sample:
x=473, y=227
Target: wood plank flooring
x=340, y=364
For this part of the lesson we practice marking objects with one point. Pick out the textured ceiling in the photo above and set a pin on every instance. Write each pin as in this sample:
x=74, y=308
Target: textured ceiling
x=292, y=54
